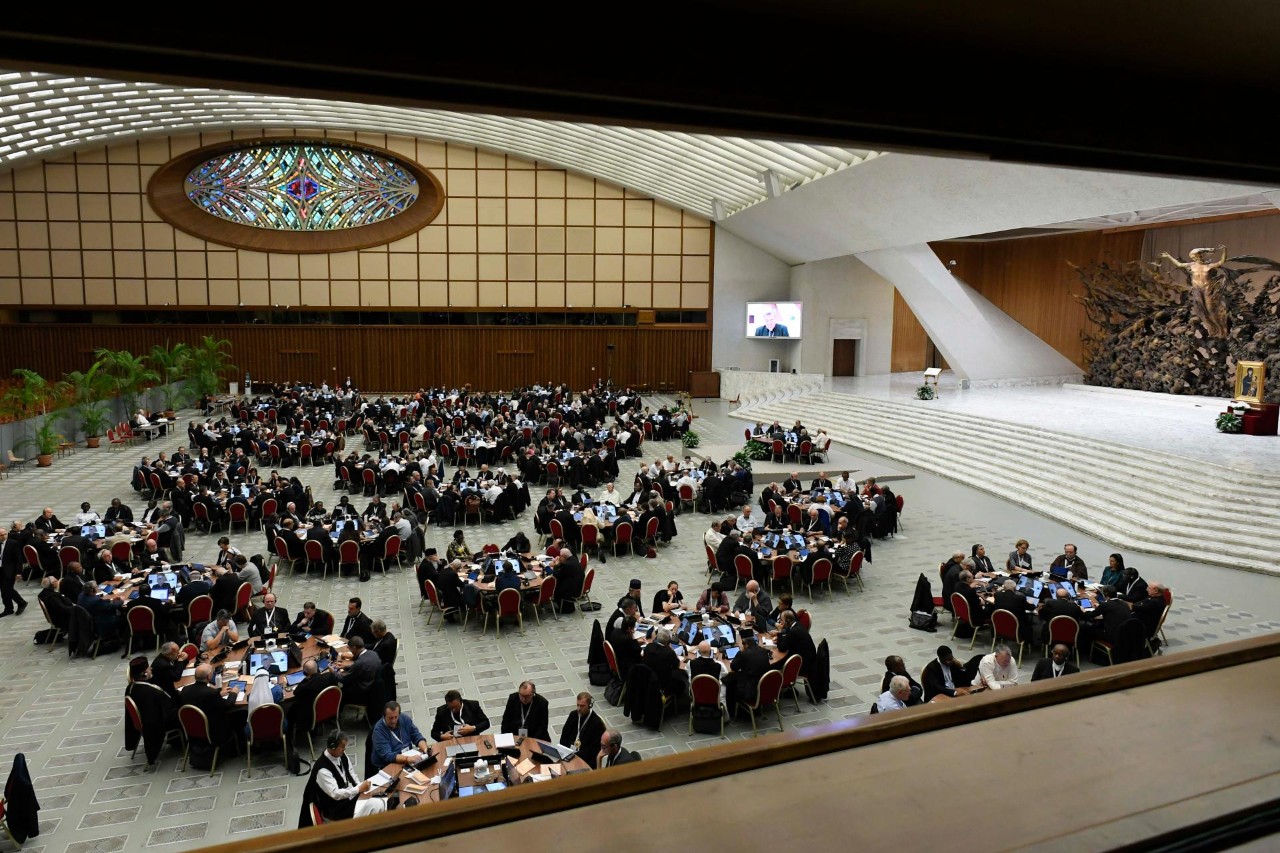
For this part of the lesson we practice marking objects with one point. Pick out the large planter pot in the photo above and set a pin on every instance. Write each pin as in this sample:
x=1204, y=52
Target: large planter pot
x=44, y=460
x=91, y=441
x=168, y=414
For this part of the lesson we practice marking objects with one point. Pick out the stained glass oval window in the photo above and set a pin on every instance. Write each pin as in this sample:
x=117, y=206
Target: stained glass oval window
x=296, y=187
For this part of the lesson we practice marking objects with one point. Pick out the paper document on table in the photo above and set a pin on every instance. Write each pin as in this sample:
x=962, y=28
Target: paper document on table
x=189, y=672
x=504, y=741
x=414, y=755
x=379, y=778
x=527, y=767
x=414, y=776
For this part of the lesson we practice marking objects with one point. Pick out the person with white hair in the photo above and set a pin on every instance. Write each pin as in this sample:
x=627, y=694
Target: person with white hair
x=896, y=696
x=997, y=670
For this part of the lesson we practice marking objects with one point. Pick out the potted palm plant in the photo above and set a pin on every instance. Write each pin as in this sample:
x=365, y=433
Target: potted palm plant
x=208, y=363
x=44, y=441
x=128, y=374
x=170, y=364
x=88, y=389
x=30, y=397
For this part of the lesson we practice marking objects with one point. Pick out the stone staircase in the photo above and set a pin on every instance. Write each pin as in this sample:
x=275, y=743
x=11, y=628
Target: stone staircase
x=1134, y=498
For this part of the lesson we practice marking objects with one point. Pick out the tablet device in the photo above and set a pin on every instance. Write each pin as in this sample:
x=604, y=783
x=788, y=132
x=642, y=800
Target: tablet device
x=293, y=679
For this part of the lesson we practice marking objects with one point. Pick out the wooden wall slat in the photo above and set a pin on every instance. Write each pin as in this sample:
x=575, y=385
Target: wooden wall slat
x=909, y=338
x=390, y=358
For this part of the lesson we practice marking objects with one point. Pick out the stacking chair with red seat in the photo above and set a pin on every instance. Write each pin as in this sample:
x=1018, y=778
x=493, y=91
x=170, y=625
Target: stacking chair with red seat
x=768, y=693
x=704, y=692
x=266, y=725
x=1005, y=626
x=960, y=608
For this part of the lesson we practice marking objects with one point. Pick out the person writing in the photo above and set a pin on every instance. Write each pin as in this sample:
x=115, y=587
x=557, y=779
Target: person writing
x=393, y=735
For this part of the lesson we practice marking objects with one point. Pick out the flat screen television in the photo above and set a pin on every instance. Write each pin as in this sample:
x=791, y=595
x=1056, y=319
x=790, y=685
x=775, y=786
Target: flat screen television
x=774, y=320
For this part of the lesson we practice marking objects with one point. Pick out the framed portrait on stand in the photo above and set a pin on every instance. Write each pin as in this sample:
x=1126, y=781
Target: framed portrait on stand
x=1250, y=376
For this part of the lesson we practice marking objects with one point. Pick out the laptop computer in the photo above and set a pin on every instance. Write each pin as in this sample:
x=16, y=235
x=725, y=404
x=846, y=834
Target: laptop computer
x=462, y=752
x=449, y=782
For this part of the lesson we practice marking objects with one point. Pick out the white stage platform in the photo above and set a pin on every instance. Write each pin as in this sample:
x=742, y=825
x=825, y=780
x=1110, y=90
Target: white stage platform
x=841, y=459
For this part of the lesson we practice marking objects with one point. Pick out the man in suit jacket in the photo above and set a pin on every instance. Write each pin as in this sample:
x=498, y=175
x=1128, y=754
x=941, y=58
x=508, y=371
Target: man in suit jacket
x=225, y=587
x=376, y=510
x=1149, y=609
x=463, y=716
x=317, y=533
x=268, y=619
x=11, y=560
x=166, y=669
x=217, y=708
x=159, y=612
x=822, y=481
x=661, y=658
x=357, y=624
x=58, y=607
x=72, y=582
x=1106, y=619
x=359, y=674
x=979, y=613
x=118, y=512
x=1008, y=598
x=48, y=522
x=744, y=674
x=794, y=639
x=527, y=713
x=1132, y=588
x=1060, y=605
x=704, y=663
x=301, y=713
x=626, y=649
x=583, y=729
x=611, y=752
x=1056, y=666
x=945, y=675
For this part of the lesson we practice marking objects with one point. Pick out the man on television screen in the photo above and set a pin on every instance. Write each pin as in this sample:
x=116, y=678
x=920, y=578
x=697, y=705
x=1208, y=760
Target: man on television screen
x=771, y=327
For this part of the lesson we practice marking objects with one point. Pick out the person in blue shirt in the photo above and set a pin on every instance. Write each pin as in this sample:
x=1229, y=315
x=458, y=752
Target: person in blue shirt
x=393, y=733
x=507, y=578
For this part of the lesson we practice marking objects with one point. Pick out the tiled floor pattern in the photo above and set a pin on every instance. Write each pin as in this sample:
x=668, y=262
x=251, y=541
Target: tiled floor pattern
x=66, y=716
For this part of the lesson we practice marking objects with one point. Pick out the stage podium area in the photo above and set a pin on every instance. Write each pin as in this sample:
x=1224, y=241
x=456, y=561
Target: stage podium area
x=1144, y=472
x=1187, y=777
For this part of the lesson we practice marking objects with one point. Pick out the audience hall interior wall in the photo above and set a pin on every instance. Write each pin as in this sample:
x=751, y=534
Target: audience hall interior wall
x=393, y=358
x=843, y=288
x=746, y=273
x=1247, y=235
x=78, y=231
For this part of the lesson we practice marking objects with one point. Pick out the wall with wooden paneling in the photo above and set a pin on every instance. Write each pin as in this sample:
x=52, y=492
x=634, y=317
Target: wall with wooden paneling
x=1032, y=281
x=79, y=231
x=909, y=338
x=392, y=358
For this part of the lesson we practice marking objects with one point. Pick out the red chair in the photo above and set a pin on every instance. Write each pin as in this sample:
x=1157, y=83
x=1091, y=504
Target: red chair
x=141, y=622
x=791, y=675
x=270, y=585
x=854, y=571
x=68, y=554
x=746, y=434
x=743, y=569
x=590, y=537
x=1004, y=626
x=586, y=591
x=134, y=718
x=779, y=451
x=199, y=609
x=191, y=651
x=768, y=692
x=621, y=536
x=686, y=496
x=821, y=575
x=315, y=557
x=651, y=532
x=327, y=705
x=546, y=596
x=122, y=552
x=960, y=607
x=348, y=554
x=509, y=601
x=480, y=610
x=433, y=596
x=712, y=567
x=304, y=453
x=239, y=514
x=782, y=571
x=805, y=452
x=794, y=516
x=269, y=506
x=195, y=726
x=389, y=551
x=704, y=692
x=552, y=476
x=370, y=480
x=244, y=601
x=266, y=725
x=282, y=551
x=803, y=617
x=897, y=503
x=1066, y=630
x=58, y=633
x=611, y=658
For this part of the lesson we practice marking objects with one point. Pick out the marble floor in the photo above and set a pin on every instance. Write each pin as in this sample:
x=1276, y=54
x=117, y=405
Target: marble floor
x=66, y=715
x=1183, y=426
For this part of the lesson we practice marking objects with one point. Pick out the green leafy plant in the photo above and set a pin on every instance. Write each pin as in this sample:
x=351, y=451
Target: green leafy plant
x=44, y=440
x=209, y=363
x=926, y=392
x=1230, y=422
x=755, y=450
x=87, y=390
x=31, y=396
x=129, y=374
x=742, y=459
x=170, y=364
x=690, y=438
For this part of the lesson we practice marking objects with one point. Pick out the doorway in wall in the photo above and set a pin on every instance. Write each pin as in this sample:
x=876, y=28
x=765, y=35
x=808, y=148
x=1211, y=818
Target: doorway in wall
x=844, y=357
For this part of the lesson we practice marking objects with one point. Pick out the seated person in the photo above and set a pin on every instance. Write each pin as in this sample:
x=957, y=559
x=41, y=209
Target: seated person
x=311, y=620
x=300, y=713
x=1008, y=598
x=1060, y=605
x=359, y=672
x=897, y=696
x=104, y=612
x=713, y=598
x=626, y=648
x=945, y=676
x=1055, y=666
x=668, y=599
x=458, y=717
x=997, y=670
x=894, y=666
x=220, y=632
x=1068, y=565
x=794, y=639
x=393, y=735
x=662, y=660
x=209, y=699
x=268, y=619
x=611, y=751
x=742, y=682
x=754, y=602
x=583, y=729
x=527, y=713
x=334, y=789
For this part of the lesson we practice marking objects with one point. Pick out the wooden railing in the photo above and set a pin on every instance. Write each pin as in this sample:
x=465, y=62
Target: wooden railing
x=661, y=776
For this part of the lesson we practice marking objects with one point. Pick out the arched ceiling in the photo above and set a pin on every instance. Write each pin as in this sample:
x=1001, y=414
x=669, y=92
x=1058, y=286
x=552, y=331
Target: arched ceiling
x=47, y=115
